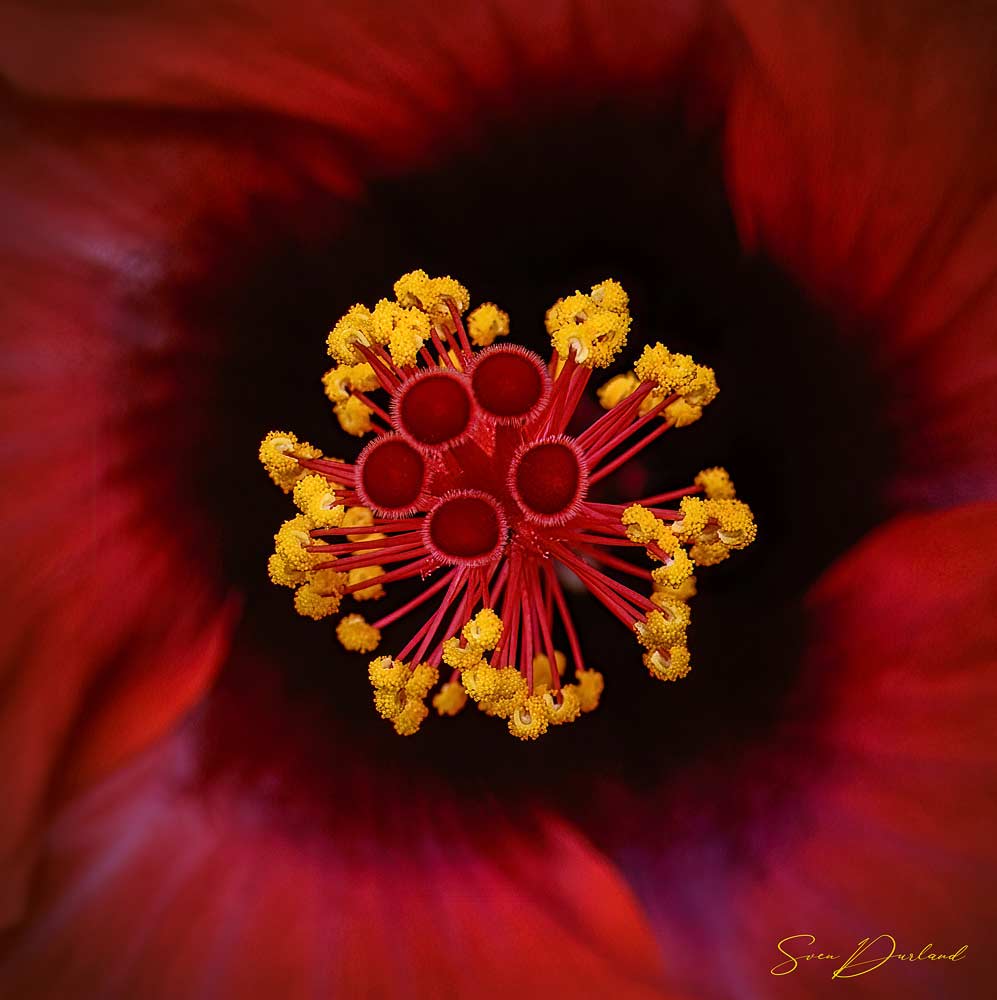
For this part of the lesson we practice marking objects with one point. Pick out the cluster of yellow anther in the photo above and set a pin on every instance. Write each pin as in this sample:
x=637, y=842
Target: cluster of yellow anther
x=357, y=635
x=677, y=375
x=401, y=326
x=644, y=528
x=503, y=691
x=400, y=691
x=432, y=295
x=594, y=326
x=317, y=501
x=714, y=527
x=486, y=323
x=319, y=589
x=297, y=561
x=279, y=453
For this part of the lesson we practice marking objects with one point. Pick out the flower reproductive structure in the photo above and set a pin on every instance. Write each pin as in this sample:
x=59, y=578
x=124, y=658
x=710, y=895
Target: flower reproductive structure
x=472, y=485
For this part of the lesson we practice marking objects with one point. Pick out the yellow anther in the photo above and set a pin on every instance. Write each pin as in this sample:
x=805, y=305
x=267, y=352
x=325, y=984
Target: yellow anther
x=529, y=720
x=404, y=331
x=461, y=657
x=485, y=683
x=541, y=669
x=568, y=710
x=735, y=522
x=336, y=382
x=703, y=388
x=593, y=326
x=359, y=517
x=681, y=414
x=486, y=323
x=589, y=684
x=450, y=699
x=389, y=701
x=716, y=484
x=424, y=677
x=409, y=719
x=388, y=673
x=695, y=516
x=356, y=327
x=311, y=602
x=662, y=628
x=651, y=363
x=613, y=392
x=643, y=527
x=316, y=499
x=416, y=289
x=671, y=373
x=484, y=629
x=673, y=570
x=354, y=416
x=340, y=380
x=277, y=453
x=596, y=341
x=668, y=664
x=283, y=575
x=610, y=295
x=685, y=591
x=361, y=573
x=357, y=635
x=709, y=553
x=291, y=541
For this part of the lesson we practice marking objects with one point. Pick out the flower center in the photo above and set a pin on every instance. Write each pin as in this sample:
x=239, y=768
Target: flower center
x=472, y=474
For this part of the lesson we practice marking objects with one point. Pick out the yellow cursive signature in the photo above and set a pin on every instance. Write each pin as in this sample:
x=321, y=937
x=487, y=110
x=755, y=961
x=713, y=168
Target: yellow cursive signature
x=871, y=954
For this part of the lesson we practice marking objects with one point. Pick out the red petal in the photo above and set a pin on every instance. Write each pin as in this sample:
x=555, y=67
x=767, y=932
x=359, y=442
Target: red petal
x=152, y=891
x=888, y=827
x=861, y=155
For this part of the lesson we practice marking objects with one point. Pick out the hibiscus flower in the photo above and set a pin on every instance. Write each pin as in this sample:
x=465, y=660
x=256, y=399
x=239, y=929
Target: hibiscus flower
x=197, y=800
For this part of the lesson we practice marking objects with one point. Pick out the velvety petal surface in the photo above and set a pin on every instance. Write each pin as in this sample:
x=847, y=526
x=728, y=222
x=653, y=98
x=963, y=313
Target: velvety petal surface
x=891, y=759
x=155, y=889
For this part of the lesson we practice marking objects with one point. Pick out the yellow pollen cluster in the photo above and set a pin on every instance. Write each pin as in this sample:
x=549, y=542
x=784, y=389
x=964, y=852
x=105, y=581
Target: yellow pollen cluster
x=716, y=484
x=356, y=327
x=714, y=528
x=279, y=453
x=400, y=692
x=338, y=382
x=589, y=684
x=291, y=540
x=356, y=635
x=317, y=501
x=613, y=392
x=669, y=664
x=486, y=323
x=676, y=375
x=484, y=629
x=542, y=676
x=450, y=699
x=361, y=573
x=432, y=295
x=594, y=326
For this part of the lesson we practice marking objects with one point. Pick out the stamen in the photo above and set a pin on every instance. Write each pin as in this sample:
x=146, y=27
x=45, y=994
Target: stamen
x=470, y=468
